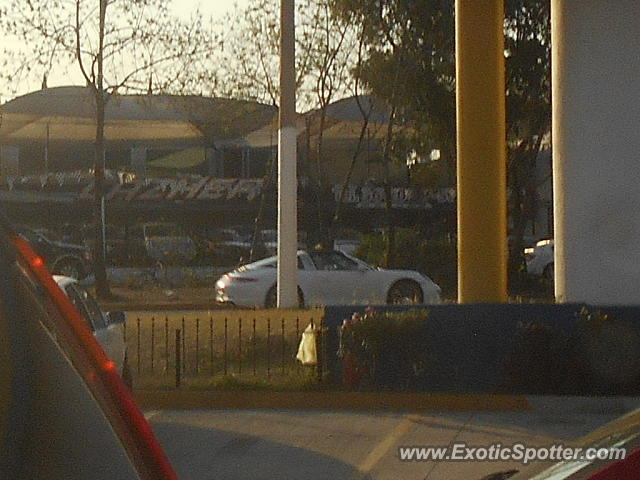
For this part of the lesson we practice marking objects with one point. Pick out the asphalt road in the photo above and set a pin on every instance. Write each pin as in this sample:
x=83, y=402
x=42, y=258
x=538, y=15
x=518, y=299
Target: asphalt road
x=309, y=445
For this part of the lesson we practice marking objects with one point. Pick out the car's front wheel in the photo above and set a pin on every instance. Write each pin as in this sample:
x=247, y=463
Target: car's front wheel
x=405, y=292
x=272, y=295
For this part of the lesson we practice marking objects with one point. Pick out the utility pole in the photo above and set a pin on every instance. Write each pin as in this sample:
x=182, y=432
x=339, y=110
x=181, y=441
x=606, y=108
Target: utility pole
x=287, y=176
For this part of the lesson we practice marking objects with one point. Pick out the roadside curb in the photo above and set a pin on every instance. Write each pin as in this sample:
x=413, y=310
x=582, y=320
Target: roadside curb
x=589, y=405
x=248, y=400
x=185, y=399
x=161, y=307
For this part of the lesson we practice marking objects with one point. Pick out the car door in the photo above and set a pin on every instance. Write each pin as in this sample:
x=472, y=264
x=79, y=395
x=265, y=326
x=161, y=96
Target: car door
x=337, y=280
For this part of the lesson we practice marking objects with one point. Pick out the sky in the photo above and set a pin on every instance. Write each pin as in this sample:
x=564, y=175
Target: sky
x=215, y=8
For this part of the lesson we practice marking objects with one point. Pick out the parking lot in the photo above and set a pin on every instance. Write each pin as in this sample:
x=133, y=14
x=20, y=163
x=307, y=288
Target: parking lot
x=279, y=444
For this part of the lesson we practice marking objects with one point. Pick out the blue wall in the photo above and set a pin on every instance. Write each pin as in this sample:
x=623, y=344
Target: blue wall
x=470, y=345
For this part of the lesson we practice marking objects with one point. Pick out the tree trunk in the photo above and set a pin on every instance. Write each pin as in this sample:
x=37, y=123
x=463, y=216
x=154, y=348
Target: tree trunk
x=102, y=285
x=325, y=241
x=347, y=180
x=257, y=226
x=390, y=232
x=99, y=254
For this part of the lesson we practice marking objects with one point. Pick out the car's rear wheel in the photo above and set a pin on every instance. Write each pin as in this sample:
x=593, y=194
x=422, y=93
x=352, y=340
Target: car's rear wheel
x=271, y=300
x=70, y=267
x=405, y=292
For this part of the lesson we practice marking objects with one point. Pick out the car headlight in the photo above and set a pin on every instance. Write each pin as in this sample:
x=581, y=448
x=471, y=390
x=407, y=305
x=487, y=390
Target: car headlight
x=529, y=253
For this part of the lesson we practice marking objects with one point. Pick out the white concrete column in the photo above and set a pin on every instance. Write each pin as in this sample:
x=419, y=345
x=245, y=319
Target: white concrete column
x=596, y=150
x=287, y=174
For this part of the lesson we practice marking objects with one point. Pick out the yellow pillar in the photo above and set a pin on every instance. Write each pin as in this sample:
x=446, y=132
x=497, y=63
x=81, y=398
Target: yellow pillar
x=482, y=197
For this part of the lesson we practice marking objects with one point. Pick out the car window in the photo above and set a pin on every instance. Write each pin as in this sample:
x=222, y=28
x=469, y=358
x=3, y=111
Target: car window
x=95, y=314
x=87, y=306
x=333, y=261
x=271, y=262
x=76, y=299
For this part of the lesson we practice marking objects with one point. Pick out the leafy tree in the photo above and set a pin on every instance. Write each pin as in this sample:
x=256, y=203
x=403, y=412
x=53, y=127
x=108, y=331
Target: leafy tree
x=421, y=34
x=412, y=41
x=116, y=44
x=527, y=45
x=410, y=65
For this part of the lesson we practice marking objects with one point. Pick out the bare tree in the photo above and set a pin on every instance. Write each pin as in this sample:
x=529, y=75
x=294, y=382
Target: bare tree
x=247, y=67
x=247, y=63
x=365, y=110
x=332, y=60
x=117, y=45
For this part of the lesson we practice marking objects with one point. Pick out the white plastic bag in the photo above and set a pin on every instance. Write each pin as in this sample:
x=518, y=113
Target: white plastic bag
x=307, y=354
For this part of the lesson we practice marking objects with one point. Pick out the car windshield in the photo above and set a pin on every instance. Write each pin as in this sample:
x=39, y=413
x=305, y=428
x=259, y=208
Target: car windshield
x=270, y=262
x=333, y=261
x=416, y=159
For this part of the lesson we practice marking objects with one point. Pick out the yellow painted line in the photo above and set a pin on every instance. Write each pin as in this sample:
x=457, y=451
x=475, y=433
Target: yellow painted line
x=385, y=445
x=150, y=414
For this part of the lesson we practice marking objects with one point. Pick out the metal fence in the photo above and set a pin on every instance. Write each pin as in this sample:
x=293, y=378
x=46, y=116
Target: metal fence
x=214, y=348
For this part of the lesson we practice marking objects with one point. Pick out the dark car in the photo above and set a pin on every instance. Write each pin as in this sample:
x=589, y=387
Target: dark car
x=62, y=258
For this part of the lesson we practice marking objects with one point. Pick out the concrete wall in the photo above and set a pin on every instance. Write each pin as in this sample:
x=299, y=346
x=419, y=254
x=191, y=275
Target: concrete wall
x=596, y=148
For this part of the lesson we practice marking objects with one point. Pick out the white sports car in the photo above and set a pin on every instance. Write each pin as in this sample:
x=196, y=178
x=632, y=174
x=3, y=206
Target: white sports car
x=539, y=259
x=327, y=278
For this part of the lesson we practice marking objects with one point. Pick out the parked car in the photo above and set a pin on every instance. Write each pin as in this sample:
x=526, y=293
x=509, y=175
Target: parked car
x=108, y=328
x=623, y=432
x=226, y=247
x=539, y=259
x=62, y=258
x=347, y=241
x=268, y=240
x=168, y=243
x=346, y=245
x=327, y=277
x=125, y=245
x=65, y=412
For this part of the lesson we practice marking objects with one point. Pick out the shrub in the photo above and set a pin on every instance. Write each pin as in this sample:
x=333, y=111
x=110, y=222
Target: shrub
x=387, y=350
x=609, y=351
x=539, y=360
